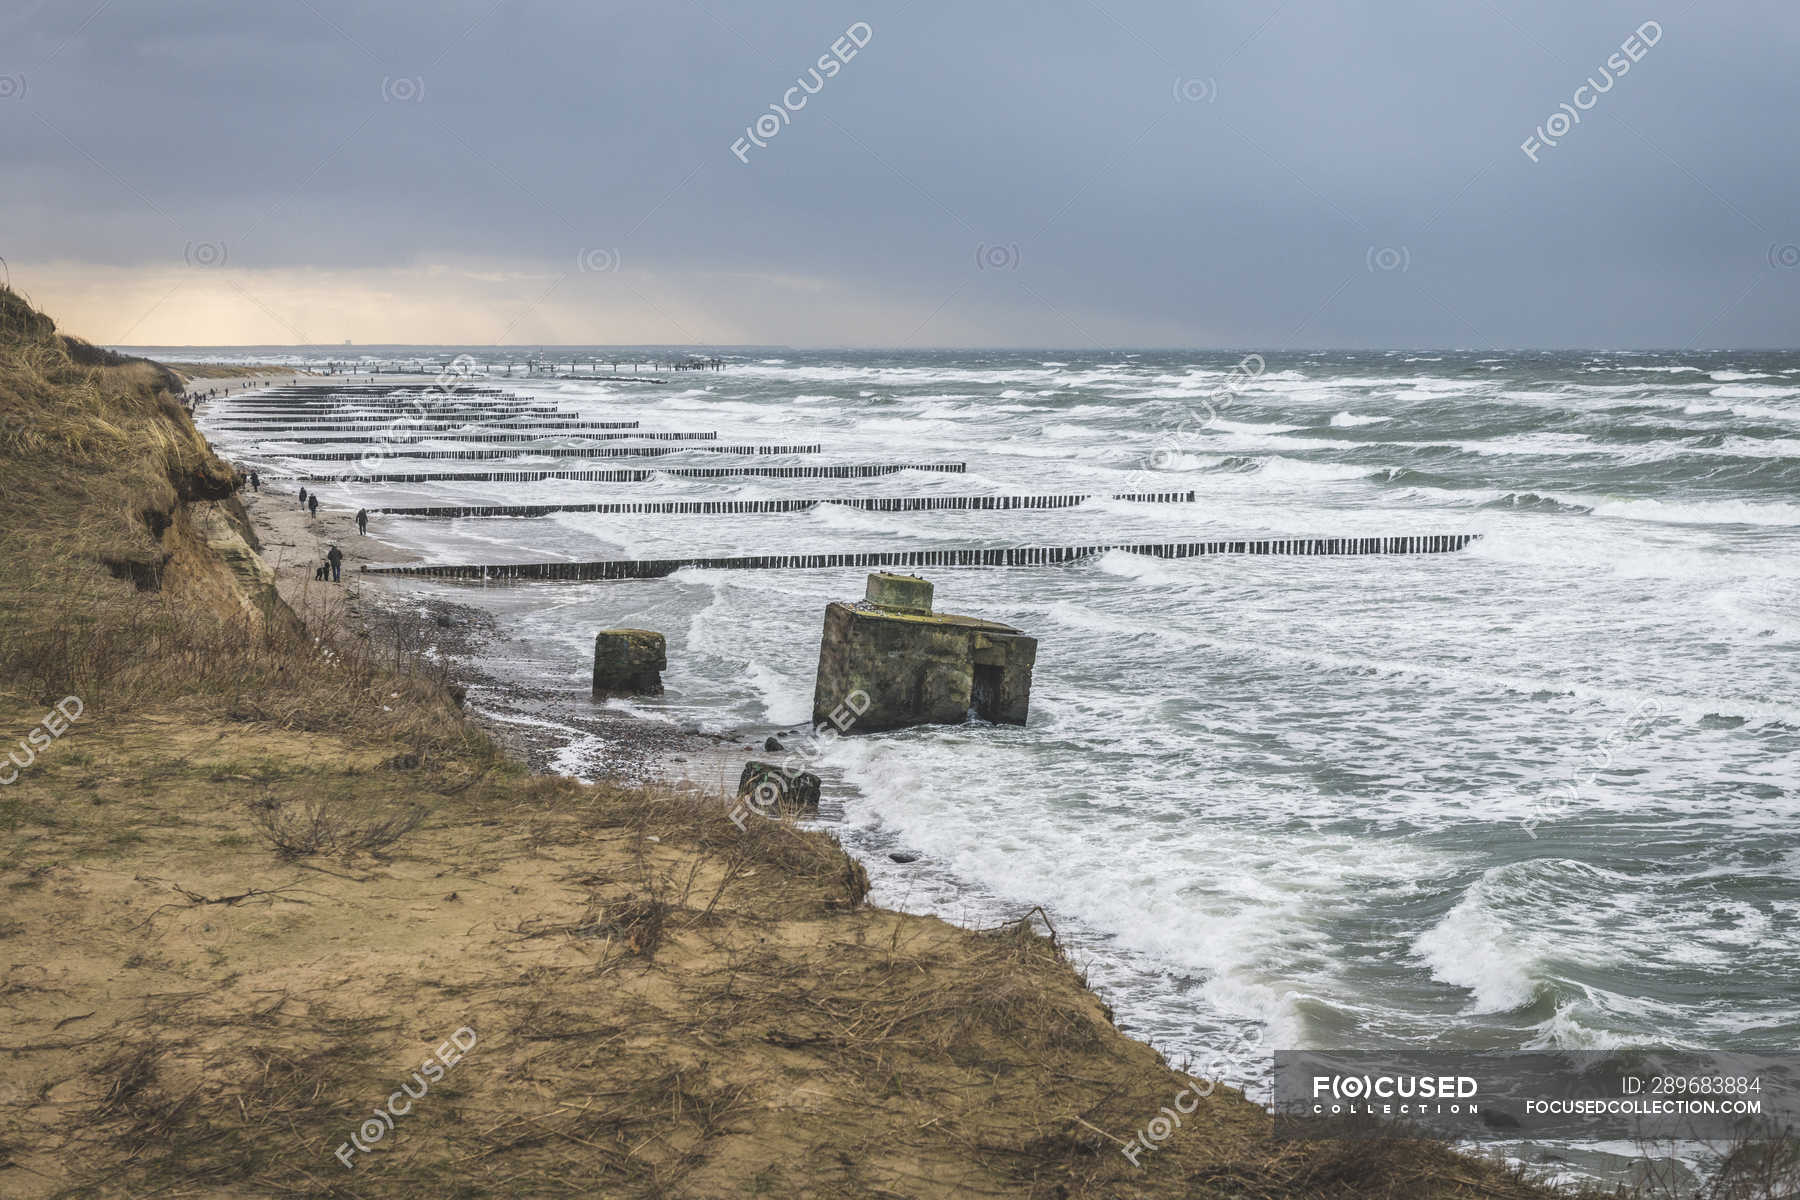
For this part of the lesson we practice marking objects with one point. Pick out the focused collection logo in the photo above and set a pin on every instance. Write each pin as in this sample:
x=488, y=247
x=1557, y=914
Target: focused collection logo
x=1357, y=1095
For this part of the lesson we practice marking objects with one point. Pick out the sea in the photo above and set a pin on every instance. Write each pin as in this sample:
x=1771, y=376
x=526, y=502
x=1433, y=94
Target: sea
x=1541, y=793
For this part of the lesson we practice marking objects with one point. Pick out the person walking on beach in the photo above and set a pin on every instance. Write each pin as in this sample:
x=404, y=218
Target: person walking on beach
x=362, y=521
x=302, y=497
x=255, y=482
x=336, y=558
x=312, y=504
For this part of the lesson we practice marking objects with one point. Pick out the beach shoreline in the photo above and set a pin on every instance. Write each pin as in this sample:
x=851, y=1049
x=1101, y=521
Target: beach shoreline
x=637, y=748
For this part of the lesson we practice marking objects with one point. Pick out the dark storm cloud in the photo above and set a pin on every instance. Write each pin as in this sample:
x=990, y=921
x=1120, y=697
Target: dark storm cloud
x=1245, y=174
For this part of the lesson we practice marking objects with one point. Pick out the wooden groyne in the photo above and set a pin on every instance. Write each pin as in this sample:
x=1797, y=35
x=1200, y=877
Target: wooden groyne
x=411, y=426
x=384, y=405
x=376, y=389
x=1014, y=556
x=315, y=403
x=322, y=409
x=315, y=410
x=840, y=471
x=264, y=401
x=533, y=367
x=374, y=451
x=413, y=439
x=707, y=507
x=353, y=416
x=613, y=379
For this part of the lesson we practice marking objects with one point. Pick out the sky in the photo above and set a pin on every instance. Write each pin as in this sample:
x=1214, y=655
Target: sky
x=1243, y=174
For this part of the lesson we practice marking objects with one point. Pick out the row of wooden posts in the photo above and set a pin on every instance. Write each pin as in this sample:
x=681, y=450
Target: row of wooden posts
x=568, y=368
x=323, y=410
x=730, y=507
x=1012, y=556
x=271, y=428
x=632, y=475
x=558, y=452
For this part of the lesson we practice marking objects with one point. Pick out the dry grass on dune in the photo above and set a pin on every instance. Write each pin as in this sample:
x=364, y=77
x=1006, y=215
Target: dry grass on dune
x=664, y=1006
x=271, y=868
x=109, y=590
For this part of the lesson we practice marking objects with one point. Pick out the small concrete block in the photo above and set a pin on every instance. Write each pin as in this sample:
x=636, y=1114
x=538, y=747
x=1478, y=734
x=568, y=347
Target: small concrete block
x=901, y=593
x=629, y=662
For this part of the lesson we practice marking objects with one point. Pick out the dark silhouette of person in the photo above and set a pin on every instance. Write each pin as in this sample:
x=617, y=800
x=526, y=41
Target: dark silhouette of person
x=312, y=504
x=335, y=560
x=255, y=482
x=302, y=497
x=362, y=521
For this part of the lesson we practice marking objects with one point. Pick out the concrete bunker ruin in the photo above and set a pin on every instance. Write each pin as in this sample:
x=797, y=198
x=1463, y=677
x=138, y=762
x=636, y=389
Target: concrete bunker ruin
x=917, y=667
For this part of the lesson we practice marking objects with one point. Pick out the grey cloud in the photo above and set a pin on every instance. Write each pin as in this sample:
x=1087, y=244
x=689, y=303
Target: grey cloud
x=1260, y=174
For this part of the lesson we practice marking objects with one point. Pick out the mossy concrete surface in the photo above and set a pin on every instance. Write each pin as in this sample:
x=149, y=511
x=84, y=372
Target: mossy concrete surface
x=922, y=670
x=629, y=662
x=903, y=593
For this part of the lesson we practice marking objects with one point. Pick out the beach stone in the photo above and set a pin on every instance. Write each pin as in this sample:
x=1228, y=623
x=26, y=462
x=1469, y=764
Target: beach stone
x=900, y=856
x=769, y=787
x=629, y=662
x=773, y=745
x=886, y=667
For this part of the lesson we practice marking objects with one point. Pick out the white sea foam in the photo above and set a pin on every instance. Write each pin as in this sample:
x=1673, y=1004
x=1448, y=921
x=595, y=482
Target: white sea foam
x=1699, y=512
x=1620, y=699
x=1300, y=469
x=1757, y=613
x=1145, y=569
x=786, y=699
x=1248, y=427
x=1350, y=420
x=1473, y=947
x=1540, y=444
x=1755, y=391
x=842, y=518
x=1539, y=549
x=1273, y=467
x=1204, y=900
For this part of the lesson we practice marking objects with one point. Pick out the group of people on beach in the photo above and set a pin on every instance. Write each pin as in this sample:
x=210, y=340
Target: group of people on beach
x=192, y=400
x=331, y=570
